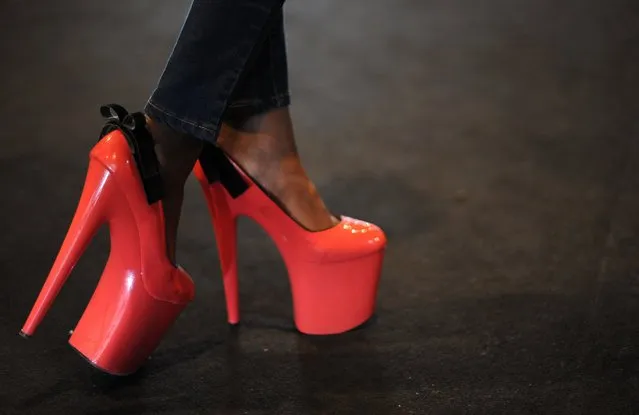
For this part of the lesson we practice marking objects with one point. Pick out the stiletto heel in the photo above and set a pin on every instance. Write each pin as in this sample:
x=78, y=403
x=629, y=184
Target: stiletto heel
x=140, y=293
x=225, y=229
x=334, y=274
x=89, y=216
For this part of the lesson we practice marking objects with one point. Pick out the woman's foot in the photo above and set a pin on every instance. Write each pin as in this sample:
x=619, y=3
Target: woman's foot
x=264, y=146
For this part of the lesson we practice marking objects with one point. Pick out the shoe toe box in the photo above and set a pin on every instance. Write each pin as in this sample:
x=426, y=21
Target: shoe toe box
x=351, y=238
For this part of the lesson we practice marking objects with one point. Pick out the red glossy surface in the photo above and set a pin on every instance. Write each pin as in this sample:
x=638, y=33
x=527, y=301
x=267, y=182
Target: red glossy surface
x=334, y=273
x=140, y=293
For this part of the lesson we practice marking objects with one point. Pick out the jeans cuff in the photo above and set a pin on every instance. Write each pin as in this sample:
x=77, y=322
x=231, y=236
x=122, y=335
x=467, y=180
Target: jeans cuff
x=259, y=105
x=202, y=130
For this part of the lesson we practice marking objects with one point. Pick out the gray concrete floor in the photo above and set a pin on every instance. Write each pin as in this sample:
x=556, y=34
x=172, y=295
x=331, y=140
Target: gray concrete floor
x=495, y=141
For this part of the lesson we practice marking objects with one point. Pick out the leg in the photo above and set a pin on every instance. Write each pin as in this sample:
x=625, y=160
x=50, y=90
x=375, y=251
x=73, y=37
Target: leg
x=258, y=132
x=212, y=51
x=177, y=153
x=233, y=72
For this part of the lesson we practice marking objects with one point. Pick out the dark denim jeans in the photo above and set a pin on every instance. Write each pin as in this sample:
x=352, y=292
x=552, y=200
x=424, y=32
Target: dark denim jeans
x=229, y=59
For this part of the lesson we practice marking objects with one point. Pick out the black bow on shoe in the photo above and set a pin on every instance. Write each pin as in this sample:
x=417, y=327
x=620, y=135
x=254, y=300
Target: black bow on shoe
x=217, y=167
x=215, y=164
x=133, y=127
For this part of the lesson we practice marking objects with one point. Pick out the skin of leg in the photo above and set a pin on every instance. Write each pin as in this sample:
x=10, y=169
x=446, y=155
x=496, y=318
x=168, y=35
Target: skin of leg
x=177, y=154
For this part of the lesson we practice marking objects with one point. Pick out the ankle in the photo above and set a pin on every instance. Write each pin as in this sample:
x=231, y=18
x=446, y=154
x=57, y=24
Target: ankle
x=177, y=154
x=261, y=153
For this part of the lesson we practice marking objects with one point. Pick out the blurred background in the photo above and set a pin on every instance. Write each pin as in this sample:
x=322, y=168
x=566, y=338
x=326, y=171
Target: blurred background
x=496, y=142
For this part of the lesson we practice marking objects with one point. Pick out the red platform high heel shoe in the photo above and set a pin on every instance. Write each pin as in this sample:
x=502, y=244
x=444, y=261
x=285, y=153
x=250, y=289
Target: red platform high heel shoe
x=140, y=293
x=333, y=273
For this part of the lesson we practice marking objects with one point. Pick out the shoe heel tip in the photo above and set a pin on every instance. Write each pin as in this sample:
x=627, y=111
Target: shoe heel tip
x=24, y=335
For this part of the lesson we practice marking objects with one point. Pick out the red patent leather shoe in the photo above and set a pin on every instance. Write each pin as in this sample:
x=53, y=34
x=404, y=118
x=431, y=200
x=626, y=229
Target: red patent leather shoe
x=333, y=273
x=140, y=293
